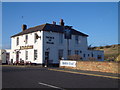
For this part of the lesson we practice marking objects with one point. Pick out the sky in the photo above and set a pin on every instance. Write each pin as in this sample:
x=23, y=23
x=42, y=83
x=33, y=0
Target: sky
x=97, y=19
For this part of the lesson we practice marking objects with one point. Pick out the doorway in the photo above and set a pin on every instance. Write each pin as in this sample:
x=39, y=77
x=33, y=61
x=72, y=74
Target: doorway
x=47, y=59
x=17, y=57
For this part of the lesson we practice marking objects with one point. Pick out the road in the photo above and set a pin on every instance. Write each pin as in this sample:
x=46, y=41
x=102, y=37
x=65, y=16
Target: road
x=31, y=77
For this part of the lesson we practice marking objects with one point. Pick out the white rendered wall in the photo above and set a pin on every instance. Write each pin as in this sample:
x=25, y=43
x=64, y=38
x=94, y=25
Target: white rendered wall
x=82, y=45
x=41, y=46
x=36, y=46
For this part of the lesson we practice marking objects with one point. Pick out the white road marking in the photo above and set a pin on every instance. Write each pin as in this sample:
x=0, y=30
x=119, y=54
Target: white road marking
x=50, y=85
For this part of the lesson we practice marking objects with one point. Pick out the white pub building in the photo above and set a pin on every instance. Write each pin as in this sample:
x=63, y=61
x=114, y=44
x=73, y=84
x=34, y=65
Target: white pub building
x=48, y=43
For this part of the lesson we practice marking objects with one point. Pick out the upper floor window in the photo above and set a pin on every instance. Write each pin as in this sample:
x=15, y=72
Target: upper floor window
x=17, y=41
x=80, y=51
x=76, y=39
x=26, y=39
x=60, y=38
x=35, y=39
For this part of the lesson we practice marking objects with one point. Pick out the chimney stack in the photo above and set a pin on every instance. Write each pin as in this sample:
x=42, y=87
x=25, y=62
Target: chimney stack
x=61, y=22
x=54, y=23
x=24, y=27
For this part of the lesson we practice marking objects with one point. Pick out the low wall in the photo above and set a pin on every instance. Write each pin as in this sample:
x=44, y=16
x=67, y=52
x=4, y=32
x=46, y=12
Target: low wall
x=109, y=67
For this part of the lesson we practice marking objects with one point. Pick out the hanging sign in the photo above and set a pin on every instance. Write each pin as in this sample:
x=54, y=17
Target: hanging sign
x=26, y=47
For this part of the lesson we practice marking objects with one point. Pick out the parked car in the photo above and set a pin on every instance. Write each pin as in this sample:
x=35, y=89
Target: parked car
x=16, y=62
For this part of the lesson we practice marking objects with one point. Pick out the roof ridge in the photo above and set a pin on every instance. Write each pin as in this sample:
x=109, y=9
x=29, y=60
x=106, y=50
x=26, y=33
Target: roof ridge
x=48, y=27
x=45, y=25
x=37, y=26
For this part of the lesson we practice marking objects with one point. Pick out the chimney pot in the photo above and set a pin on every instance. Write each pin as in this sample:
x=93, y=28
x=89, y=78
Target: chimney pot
x=54, y=22
x=61, y=22
x=24, y=27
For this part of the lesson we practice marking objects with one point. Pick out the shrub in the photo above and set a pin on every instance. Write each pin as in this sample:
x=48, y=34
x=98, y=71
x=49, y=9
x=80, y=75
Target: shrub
x=75, y=57
x=92, y=59
x=117, y=59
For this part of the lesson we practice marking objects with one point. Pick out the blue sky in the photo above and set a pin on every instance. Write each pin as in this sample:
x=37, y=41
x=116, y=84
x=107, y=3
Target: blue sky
x=97, y=19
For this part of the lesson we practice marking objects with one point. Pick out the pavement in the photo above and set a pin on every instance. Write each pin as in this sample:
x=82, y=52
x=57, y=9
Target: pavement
x=55, y=78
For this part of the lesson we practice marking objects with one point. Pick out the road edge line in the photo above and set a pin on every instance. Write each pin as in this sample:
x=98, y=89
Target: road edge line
x=86, y=74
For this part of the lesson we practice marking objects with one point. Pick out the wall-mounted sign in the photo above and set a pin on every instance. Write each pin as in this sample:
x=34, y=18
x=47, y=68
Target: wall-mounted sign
x=26, y=47
x=49, y=40
x=68, y=63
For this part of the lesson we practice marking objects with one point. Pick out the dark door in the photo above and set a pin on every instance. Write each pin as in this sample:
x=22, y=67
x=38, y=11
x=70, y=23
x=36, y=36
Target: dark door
x=47, y=58
x=17, y=56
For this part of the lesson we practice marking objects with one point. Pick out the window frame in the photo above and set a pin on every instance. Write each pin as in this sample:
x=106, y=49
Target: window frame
x=76, y=52
x=60, y=53
x=26, y=39
x=35, y=39
x=17, y=42
x=35, y=54
x=26, y=55
x=76, y=39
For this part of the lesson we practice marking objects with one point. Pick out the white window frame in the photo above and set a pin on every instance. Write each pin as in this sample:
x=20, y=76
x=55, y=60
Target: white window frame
x=35, y=54
x=17, y=41
x=26, y=39
x=26, y=55
x=35, y=40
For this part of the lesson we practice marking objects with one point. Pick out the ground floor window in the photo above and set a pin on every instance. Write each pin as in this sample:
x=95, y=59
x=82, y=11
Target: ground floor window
x=26, y=55
x=76, y=52
x=88, y=55
x=69, y=52
x=80, y=51
x=92, y=55
x=83, y=55
x=99, y=57
x=35, y=54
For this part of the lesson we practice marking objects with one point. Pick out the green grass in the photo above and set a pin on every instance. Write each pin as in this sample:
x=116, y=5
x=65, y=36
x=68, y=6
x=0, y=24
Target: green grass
x=110, y=52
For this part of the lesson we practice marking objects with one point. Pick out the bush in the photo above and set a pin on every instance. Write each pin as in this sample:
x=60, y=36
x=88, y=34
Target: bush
x=92, y=59
x=117, y=59
x=75, y=57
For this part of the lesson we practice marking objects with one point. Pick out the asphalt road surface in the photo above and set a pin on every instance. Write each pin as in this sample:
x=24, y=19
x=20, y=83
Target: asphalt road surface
x=31, y=77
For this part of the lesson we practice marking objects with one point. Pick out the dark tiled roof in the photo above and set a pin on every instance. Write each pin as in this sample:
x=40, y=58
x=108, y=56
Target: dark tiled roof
x=49, y=27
